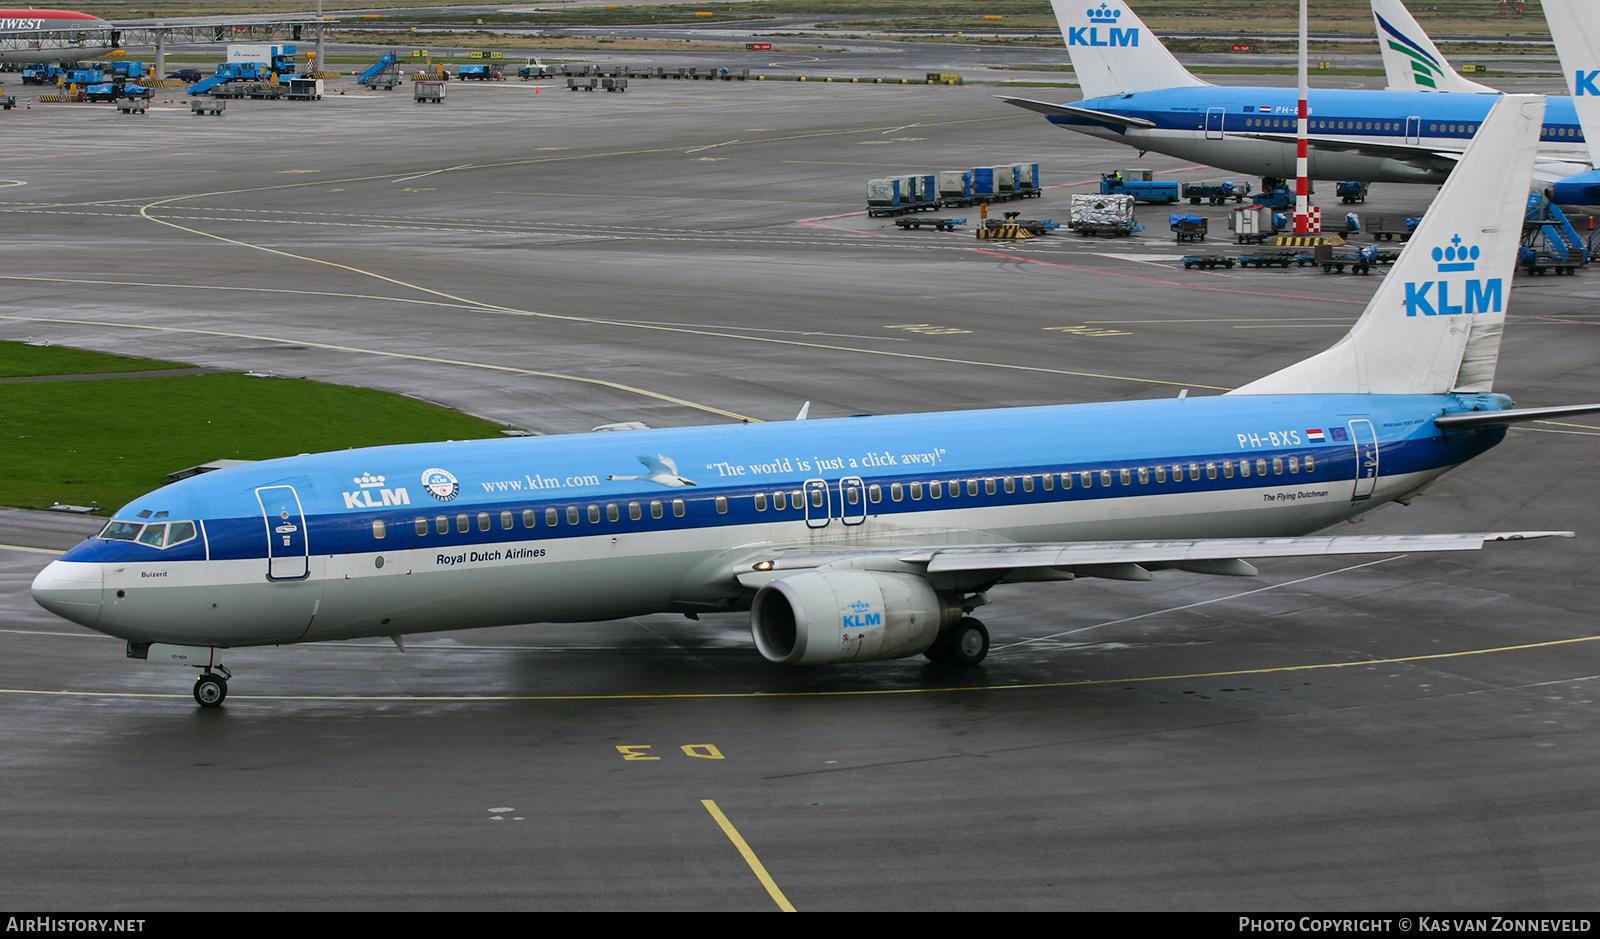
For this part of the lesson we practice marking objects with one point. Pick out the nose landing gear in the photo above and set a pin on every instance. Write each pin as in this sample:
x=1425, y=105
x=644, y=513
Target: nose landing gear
x=211, y=688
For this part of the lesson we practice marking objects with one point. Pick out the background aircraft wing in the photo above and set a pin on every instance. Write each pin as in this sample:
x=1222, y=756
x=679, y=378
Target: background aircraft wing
x=1416, y=154
x=1124, y=560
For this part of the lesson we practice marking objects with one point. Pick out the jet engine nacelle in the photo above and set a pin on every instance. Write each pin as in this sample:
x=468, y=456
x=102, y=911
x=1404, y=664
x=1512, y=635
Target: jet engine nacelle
x=821, y=617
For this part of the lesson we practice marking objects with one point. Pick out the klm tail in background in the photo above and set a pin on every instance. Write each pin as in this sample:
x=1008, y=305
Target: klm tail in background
x=1434, y=325
x=1410, y=59
x=1114, y=53
x=1575, y=27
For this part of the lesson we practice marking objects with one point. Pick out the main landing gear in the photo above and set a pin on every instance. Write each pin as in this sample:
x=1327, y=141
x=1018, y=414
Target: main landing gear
x=966, y=644
x=211, y=689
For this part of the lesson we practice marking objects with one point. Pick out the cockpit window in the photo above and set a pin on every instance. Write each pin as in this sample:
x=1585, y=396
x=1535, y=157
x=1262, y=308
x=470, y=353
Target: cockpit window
x=157, y=535
x=179, y=532
x=121, y=531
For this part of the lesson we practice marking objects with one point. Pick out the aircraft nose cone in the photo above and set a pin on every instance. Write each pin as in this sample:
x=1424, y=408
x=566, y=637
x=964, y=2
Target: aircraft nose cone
x=70, y=590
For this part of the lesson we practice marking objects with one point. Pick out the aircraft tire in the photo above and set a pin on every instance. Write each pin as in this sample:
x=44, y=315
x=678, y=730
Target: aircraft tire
x=967, y=644
x=210, y=690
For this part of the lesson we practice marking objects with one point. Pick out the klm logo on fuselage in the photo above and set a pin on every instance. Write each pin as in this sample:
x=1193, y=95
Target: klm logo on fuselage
x=362, y=497
x=1114, y=35
x=1583, y=83
x=1432, y=298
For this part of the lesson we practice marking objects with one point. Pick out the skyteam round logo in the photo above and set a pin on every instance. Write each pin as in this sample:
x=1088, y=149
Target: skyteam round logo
x=440, y=484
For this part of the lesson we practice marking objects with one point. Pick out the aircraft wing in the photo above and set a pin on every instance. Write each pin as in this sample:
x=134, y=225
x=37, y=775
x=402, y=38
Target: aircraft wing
x=1126, y=560
x=1425, y=157
x=1067, y=110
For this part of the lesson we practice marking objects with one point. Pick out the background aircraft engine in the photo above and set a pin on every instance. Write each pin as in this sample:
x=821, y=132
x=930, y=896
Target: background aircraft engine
x=819, y=617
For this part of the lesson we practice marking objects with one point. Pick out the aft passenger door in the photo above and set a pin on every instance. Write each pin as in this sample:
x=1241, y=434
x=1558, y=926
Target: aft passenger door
x=1413, y=130
x=1365, y=439
x=288, y=551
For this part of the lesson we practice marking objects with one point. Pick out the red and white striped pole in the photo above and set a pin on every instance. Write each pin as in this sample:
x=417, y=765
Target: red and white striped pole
x=1302, y=185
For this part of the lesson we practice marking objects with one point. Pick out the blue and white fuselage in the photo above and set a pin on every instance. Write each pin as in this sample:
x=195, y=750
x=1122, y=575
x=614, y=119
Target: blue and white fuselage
x=404, y=539
x=1136, y=93
x=1234, y=128
x=850, y=539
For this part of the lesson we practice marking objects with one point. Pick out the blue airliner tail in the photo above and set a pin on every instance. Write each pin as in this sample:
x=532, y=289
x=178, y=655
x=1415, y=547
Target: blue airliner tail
x=1113, y=52
x=1434, y=325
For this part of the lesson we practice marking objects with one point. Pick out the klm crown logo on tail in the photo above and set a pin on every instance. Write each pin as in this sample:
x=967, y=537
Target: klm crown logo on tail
x=1090, y=35
x=1477, y=295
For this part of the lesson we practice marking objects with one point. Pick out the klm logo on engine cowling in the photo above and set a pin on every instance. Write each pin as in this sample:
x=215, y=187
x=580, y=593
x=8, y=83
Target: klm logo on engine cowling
x=1477, y=295
x=362, y=497
x=1583, y=83
x=858, y=617
x=1114, y=35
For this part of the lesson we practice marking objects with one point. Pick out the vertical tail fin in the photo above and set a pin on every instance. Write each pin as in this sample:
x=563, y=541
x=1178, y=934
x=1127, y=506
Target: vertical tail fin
x=1410, y=59
x=1575, y=27
x=1113, y=52
x=1434, y=325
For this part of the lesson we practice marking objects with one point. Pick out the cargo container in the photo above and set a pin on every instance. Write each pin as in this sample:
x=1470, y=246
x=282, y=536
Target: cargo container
x=955, y=187
x=1110, y=214
x=305, y=89
x=883, y=197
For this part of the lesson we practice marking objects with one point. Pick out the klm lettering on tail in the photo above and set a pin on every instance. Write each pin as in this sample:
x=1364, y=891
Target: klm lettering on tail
x=1583, y=83
x=1090, y=35
x=1478, y=295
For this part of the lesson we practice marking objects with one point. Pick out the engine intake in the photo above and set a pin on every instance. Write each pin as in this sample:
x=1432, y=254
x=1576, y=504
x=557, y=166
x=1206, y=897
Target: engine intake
x=822, y=617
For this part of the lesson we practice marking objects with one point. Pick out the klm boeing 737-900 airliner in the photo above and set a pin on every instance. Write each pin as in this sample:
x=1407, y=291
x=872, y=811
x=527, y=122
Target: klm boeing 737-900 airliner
x=853, y=539
x=1136, y=93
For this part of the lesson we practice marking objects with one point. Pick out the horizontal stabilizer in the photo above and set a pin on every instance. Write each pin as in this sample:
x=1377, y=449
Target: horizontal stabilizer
x=1067, y=110
x=1464, y=419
